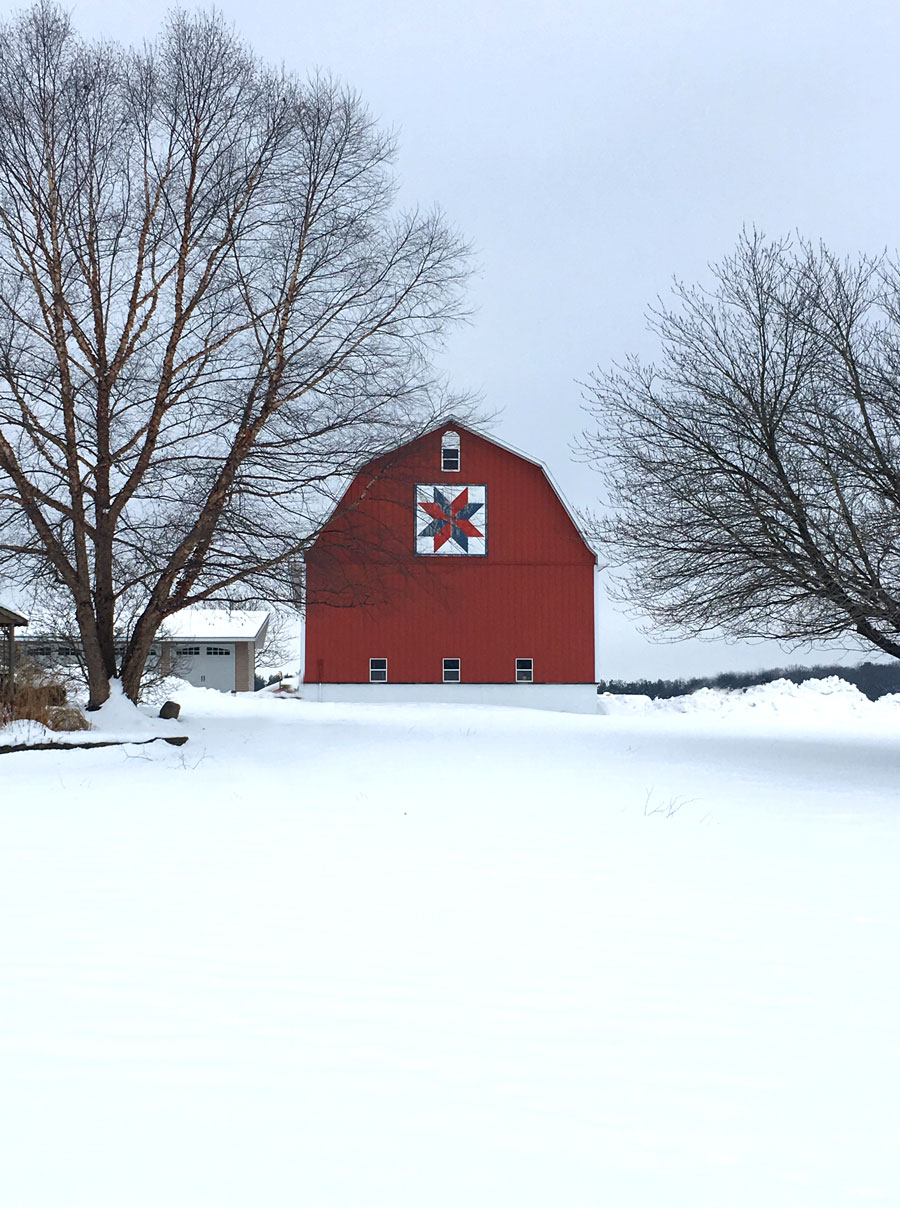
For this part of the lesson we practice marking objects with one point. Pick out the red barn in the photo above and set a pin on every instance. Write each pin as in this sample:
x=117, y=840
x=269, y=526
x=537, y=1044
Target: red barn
x=452, y=570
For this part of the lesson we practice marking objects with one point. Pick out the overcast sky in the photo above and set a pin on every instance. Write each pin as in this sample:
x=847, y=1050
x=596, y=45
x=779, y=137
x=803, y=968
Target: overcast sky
x=591, y=151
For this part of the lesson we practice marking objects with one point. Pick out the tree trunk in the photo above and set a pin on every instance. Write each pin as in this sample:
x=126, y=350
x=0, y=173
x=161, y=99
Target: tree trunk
x=138, y=651
x=97, y=676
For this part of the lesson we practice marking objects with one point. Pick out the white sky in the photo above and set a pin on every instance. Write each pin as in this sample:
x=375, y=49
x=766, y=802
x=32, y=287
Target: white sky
x=591, y=151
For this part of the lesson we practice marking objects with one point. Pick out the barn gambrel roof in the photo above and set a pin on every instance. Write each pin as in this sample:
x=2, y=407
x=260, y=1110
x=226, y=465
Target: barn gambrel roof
x=451, y=421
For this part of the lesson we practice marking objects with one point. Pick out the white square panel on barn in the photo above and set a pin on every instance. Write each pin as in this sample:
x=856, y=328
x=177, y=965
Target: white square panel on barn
x=451, y=519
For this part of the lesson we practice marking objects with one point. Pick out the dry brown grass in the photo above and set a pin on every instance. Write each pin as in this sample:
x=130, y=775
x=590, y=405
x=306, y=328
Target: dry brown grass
x=64, y=718
x=38, y=697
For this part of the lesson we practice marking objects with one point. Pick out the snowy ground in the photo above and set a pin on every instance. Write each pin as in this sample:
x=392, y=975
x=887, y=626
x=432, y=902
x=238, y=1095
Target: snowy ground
x=433, y=956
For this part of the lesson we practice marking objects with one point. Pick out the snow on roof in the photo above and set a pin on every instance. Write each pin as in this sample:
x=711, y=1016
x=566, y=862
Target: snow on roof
x=224, y=624
x=8, y=617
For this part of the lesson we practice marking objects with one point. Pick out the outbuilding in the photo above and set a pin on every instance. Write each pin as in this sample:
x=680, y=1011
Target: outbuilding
x=213, y=647
x=9, y=622
x=452, y=570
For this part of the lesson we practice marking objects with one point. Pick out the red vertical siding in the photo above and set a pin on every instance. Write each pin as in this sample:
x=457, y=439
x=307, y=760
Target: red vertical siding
x=530, y=596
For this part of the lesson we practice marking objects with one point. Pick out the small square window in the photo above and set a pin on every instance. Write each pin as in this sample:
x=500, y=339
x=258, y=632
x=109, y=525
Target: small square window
x=377, y=671
x=524, y=671
x=451, y=671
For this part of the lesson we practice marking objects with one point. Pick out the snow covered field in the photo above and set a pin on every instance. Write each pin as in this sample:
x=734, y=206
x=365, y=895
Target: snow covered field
x=430, y=956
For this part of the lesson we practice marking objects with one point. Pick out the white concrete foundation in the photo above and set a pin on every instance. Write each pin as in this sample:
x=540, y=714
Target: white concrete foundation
x=564, y=698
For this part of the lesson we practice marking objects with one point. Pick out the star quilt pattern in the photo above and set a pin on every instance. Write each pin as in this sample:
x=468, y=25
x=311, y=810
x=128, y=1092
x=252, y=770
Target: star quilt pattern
x=451, y=519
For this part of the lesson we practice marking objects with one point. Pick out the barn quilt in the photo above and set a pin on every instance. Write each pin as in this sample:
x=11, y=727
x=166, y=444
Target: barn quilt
x=451, y=519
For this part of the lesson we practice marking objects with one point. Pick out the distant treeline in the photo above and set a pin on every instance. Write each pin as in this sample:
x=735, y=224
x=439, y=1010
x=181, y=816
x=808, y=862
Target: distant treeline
x=872, y=679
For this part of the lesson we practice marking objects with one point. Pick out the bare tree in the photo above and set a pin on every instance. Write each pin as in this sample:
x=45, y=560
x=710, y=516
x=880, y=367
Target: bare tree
x=209, y=314
x=754, y=474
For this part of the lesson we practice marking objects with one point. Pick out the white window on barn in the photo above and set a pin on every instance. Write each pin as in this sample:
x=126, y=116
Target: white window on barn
x=524, y=671
x=450, y=452
x=217, y=650
x=377, y=671
x=451, y=671
x=189, y=650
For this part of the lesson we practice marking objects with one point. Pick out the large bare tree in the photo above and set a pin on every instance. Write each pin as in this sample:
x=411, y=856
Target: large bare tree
x=754, y=473
x=209, y=313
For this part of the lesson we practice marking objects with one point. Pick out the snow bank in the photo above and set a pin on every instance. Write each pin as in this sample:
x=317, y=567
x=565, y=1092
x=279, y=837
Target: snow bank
x=119, y=720
x=116, y=721
x=166, y=688
x=118, y=712
x=24, y=733
x=209, y=702
x=831, y=701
